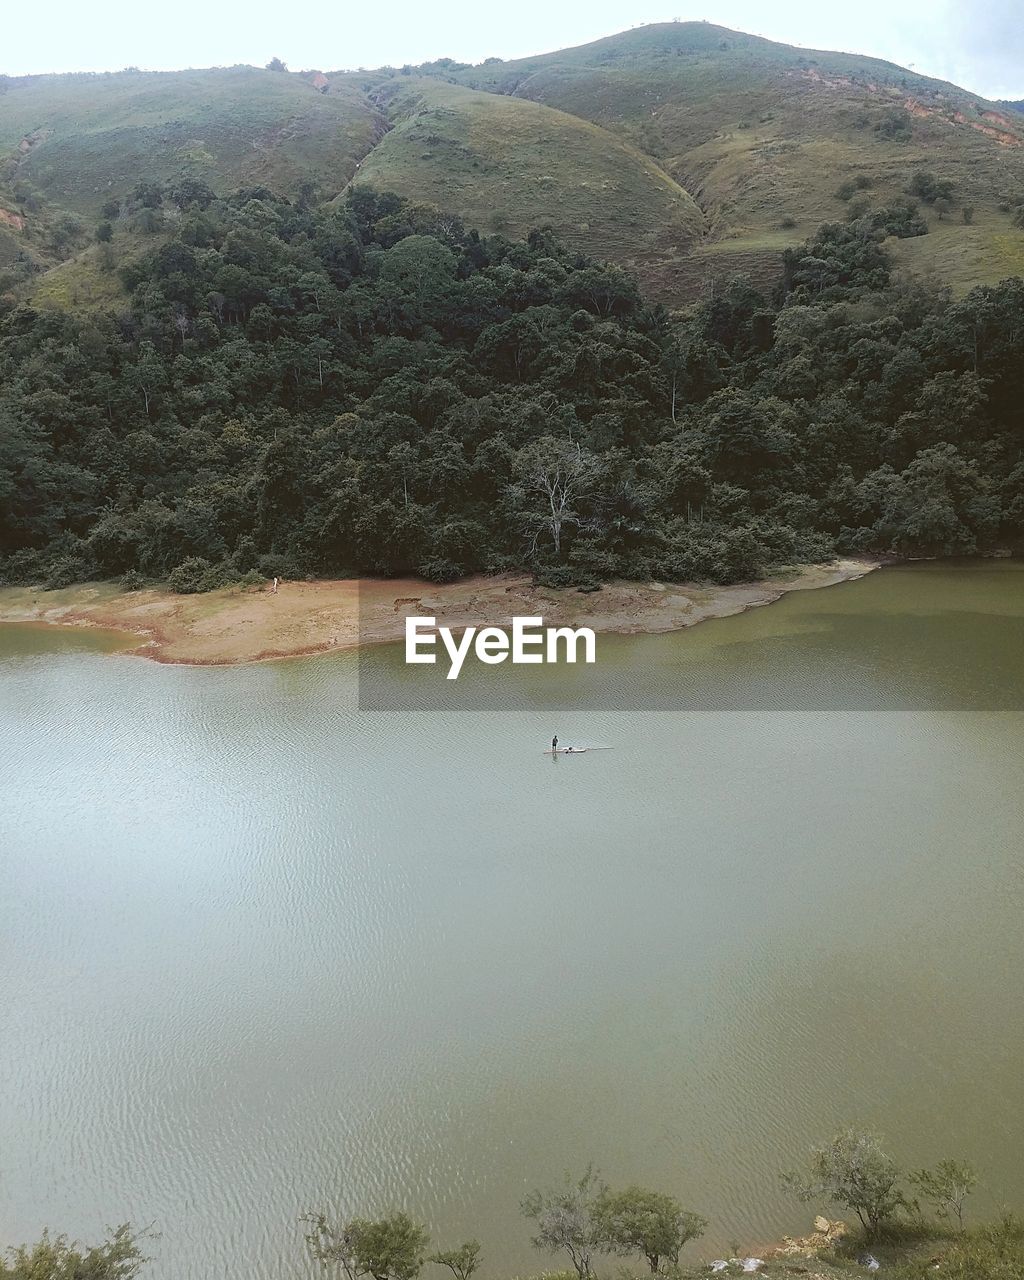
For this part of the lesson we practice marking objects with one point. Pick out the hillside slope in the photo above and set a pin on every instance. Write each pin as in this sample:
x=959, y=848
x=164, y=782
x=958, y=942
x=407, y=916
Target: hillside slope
x=764, y=135
x=685, y=152
x=508, y=165
x=80, y=140
x=72, y=144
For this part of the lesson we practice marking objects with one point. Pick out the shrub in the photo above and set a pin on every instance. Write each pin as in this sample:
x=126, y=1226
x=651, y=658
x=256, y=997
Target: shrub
x=188, y=577
x=927, y=187
x=993, y=1252
x=71, y=562
x=900, y=219
x=65, y=571
x=278, y=566
x=895, y=125
x=132, y=580
x=439, y=569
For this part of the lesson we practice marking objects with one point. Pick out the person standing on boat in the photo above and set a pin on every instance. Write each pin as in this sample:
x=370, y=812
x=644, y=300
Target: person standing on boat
x=554, y=744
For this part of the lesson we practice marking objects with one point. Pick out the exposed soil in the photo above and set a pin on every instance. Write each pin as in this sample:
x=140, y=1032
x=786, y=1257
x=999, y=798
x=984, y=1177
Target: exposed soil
x=233, y=626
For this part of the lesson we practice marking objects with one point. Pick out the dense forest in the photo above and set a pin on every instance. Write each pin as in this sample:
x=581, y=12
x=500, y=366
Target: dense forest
x=369, y=387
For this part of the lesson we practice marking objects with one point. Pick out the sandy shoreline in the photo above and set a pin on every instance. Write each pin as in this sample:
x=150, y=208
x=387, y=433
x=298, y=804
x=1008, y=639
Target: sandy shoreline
x=233, y=626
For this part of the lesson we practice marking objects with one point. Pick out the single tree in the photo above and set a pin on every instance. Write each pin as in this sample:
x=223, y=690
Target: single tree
x=275, y=64
x=558, y=472
x=854, y=1171
x=461, y=1262
x=329, y=1245
x=384, y=1248
x=646, y=1222
x=967, y=213
x=566, y=1220
x=147, y=195
x=389, y=1248
x=946, y=1187
x=147, y=220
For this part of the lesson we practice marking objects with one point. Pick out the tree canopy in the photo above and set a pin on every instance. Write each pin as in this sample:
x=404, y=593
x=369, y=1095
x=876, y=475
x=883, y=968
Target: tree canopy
x=369, y=387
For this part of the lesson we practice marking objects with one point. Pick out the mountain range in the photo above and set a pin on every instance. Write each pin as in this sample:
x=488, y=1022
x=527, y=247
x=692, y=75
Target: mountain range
x=684, y=152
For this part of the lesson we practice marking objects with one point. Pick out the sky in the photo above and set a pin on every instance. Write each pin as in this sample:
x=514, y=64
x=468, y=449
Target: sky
x=979, y=46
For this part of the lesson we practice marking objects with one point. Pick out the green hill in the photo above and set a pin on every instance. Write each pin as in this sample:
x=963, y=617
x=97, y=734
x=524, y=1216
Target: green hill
x=764, y=135
x=79, y=140
x=507, y=165
x=70, y=144
x=685, y=152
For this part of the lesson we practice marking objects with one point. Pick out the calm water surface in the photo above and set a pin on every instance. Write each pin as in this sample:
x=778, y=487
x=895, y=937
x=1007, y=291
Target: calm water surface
x=263, y=951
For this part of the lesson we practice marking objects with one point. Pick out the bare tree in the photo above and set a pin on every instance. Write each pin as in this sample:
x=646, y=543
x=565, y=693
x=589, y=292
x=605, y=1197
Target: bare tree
x=182, y=324
x=559, y=472
x=946, y=1186
x=329, y=1246
x=566, y=1219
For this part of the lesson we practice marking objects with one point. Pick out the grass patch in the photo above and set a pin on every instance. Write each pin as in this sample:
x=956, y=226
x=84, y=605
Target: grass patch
x=509, y=165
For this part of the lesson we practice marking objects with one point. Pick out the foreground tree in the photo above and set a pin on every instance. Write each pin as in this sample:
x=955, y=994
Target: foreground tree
x=461, y=1262
x=946, y=1188
x=646, y=1222
x=566, y=1219
x=119, y=1257
x=385, y=1248
x=855, y=1172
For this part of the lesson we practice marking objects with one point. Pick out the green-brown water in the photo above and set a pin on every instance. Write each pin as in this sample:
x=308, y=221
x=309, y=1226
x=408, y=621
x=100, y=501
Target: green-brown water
x=262, y=951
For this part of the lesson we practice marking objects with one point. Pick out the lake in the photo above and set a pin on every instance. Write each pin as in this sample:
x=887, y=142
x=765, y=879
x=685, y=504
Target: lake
x=267, y=948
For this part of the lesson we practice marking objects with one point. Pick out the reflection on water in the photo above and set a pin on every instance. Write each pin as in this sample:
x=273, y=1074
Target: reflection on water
x=264, y=951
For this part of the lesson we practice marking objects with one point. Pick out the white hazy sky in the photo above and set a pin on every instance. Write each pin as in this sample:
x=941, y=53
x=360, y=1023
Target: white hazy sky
x=980, y=45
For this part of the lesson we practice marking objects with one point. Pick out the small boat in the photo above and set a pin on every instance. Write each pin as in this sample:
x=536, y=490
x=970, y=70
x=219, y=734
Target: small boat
x=568, y=751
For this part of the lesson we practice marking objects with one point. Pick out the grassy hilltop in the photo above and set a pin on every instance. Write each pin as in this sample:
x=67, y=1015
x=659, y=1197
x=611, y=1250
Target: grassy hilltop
x=685, y=152
x=764, y=135
x=79, y=140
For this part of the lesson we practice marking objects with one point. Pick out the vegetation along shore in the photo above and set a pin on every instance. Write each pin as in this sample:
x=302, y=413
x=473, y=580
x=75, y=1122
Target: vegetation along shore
x=905, y=1224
